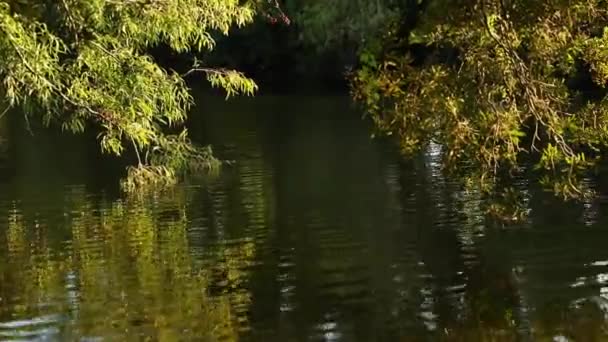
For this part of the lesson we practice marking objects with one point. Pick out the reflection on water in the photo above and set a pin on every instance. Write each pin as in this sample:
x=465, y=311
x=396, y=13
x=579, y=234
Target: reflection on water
x=91, y=268
x=315, y=233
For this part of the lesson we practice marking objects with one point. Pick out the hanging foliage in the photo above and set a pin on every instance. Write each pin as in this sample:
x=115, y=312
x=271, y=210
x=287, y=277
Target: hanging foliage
x=77, y=63
x=500, y=82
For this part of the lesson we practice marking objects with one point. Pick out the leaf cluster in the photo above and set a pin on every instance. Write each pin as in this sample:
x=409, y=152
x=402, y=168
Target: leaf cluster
x=507, y=96
x=82, y=63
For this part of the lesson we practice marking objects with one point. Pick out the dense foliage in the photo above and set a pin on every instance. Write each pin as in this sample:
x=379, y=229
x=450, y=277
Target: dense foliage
x=500, y=82
x=495, y=83
x=79, y=63
x=325, y=24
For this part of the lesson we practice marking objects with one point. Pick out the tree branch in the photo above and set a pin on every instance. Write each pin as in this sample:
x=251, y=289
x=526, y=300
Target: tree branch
x=224, y=72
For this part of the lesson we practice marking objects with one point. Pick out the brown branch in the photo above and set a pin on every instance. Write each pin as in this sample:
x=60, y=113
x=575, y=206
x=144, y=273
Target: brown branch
x=224, y=72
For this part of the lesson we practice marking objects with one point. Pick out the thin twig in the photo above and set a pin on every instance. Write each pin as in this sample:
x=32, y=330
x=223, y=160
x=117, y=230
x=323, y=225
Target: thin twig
x=102, y=48
x=136, y=152
x=5, y=111
x=224, y=72
x=28, y=127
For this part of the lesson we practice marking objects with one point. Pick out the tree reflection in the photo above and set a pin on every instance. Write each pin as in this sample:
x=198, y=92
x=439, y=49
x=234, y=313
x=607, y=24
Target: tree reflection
x=492, y=284
x=126, y=272
x=3, y=141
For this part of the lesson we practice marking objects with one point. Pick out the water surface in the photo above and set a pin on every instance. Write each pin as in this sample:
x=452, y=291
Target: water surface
x=314, y=233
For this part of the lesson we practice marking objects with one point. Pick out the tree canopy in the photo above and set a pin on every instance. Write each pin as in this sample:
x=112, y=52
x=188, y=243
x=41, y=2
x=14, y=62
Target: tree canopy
x=83, y=63
x=500, y=82
x=495, y=83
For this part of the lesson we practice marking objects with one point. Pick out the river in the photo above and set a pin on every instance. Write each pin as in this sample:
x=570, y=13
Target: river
x=314, y=232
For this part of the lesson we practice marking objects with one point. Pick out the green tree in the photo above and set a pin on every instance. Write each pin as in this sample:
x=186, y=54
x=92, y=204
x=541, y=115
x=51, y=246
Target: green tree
x=85, y=63
x=499, y=83
x=327, y=24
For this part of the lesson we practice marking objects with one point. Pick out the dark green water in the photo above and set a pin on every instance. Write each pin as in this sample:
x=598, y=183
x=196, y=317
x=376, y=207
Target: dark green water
x=315, y=233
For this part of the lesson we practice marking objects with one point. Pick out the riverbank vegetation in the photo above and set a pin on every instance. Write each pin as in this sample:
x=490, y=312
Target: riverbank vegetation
x=82, y=64
x=504, y=87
